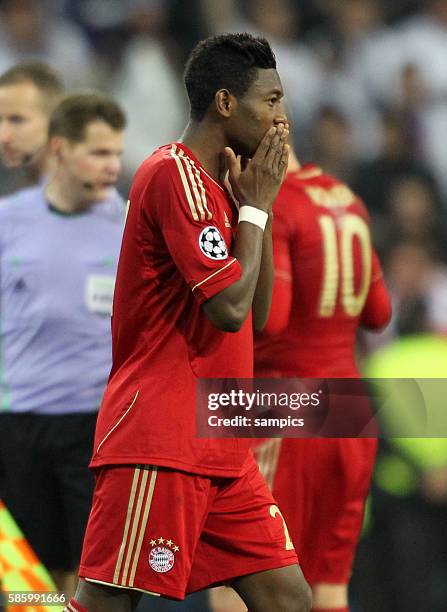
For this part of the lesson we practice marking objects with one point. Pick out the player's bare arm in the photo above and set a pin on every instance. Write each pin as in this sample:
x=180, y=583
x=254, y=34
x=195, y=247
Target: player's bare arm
x=256, y=186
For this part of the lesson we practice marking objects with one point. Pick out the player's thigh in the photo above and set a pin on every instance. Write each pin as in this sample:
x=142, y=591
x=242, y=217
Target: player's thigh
x=226, y=599
x=101, y=598
x=143, y=529
x=283, y=590
x=244, y=533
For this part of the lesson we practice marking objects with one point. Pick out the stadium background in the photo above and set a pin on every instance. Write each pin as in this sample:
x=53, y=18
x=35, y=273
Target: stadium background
x=366, y=83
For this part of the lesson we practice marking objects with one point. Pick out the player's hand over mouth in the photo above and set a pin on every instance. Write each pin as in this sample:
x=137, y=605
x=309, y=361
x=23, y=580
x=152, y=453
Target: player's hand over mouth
x=259, y=181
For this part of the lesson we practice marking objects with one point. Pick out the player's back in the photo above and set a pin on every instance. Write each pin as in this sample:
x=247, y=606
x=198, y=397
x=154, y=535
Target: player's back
x=324, y=265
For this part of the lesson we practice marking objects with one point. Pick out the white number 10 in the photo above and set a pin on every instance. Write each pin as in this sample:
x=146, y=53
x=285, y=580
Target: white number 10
x=351, y=226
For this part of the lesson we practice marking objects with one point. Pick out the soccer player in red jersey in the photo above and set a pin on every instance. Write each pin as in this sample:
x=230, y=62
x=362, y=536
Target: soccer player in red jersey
x=173, y=513
x=328, y=282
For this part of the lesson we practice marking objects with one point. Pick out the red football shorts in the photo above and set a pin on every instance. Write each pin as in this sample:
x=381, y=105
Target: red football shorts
x=170, y=533
x=321, y=486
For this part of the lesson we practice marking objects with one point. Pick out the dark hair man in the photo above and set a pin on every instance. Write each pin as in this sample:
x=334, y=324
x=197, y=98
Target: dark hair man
x=173, y=513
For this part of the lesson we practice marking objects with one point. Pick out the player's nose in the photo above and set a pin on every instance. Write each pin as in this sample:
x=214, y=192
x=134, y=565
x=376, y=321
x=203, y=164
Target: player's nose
x=281, y=114
x=281, y=118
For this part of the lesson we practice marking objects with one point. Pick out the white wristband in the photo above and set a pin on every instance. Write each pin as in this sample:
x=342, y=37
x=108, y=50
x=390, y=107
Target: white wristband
x=253, y=215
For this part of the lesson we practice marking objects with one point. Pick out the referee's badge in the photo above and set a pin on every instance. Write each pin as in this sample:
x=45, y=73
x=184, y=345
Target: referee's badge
x=212, y=243
x=161, y=555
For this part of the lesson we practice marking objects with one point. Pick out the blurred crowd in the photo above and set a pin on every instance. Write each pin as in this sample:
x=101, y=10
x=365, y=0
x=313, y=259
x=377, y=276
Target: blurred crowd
x=366, y=85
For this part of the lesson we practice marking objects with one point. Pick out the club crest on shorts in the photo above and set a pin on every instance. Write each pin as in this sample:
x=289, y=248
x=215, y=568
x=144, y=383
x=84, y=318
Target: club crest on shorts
x=212, y=244
x=161, y=555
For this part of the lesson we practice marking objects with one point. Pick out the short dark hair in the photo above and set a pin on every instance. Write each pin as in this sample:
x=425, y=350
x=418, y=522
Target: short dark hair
x=47, y=80
x=227, y=61
x=72, y=116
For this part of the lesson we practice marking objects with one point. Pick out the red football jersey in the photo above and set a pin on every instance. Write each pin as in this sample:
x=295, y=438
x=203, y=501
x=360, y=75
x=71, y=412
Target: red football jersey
x=327, y=280
x=176, y=253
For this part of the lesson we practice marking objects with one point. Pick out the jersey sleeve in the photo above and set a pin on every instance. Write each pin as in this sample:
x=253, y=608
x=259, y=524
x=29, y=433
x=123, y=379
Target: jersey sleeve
x=377, y=309
x=193, y=230
x=282, y=287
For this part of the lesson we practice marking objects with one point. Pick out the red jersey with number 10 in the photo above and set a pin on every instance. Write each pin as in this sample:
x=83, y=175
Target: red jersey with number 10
x=328, y=280
x=176, y=253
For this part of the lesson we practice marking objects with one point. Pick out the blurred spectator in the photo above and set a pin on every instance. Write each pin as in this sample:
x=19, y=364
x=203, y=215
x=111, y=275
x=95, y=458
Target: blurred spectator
x=27, y=32
x=400, y=8
x=107, y=21
x=341, y=43
x=414, y=267
x=220, y=16
x=330, y=143
x=186, y=26
x=29, y=92
x=414, y=76
x=111, y=24
x=412, y=99
x=147, y=87
x=352, y=24
x=395, y=161
x=406, y=548
x=301, y=73
x=415, y=215
x=423, y=39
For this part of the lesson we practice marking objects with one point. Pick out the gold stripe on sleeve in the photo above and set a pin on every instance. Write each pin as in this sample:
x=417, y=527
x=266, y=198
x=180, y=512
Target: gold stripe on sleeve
x=184, y=180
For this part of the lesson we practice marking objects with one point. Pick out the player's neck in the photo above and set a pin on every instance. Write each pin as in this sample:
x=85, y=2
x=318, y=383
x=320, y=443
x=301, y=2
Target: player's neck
x=207, y=144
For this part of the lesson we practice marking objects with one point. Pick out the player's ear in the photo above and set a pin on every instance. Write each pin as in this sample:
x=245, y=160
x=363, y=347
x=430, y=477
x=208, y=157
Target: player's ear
x=225, y=102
